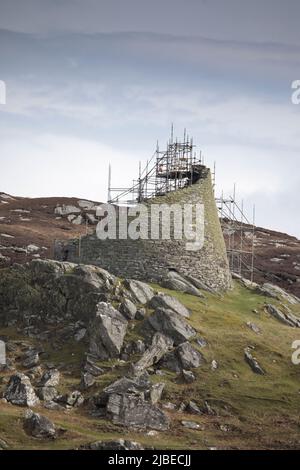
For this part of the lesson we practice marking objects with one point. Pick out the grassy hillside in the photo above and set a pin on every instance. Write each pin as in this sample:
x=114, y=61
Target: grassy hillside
x=249, y=410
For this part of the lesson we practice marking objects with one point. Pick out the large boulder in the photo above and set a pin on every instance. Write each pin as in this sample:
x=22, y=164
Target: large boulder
x=176, y=281
x=276, y=292
x=19, y=391
x=140, y=292
x=140, y=386
x=171, y=324
x=39, y=426
x=98, y=277
x=31, y=358
x=133, y=411
x=159, y=347
x=285, y=317
x=185, y=356
x=107, y=332
x=128, y=309
x=50, y=378
x=169, y=302
x=43, y=270
x=47, y=393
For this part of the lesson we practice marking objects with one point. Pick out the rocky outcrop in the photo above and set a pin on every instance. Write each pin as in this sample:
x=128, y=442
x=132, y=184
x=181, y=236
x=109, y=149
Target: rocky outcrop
x=168, y=302
x=185, y=356
x=72, y=399
x=47, y=393
x=160, y=345
x=130, y=402
x=139, y=291
x=253, y=363
x=171, y=324
x=39, y=426
x=276, y=292
x=20, y=392
x=133, y=411
x=175, y=281
x=285, y=317
x=31, y=359
x=128, y=309
x=50, y=378
x=107, y=332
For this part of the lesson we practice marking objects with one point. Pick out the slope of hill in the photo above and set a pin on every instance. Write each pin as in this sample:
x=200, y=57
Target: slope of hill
x=219, y=403
x=29, y=227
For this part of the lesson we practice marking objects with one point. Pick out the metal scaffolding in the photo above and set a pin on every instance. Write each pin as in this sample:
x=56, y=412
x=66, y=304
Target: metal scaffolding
x=168, y=170
x=178, y=167
x=239, y=235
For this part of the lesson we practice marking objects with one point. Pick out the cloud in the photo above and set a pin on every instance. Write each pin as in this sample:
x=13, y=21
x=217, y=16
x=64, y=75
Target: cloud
x=79, y=101
x=54, y=165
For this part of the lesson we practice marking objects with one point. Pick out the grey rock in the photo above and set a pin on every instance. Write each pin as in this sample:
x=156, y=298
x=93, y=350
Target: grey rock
x=43, y=270
x=175, y=281
x=39, y=426
x=133, y=347
x=53, y=406
x=188, y=376
x=137, y=386
x=118, y=444
x=87, y=380
x=128, y=309
x=133, y=411
x=252, y=362
x=201, y=342
x=107, y=332
x=156, y=392
x=185, y=356
x=31, y=359
x=3, y=445
x=101, y=279
x=193, y=408
x=285, y=317
x=80, y=334
x=139, y=291
x=140, y=387
x=168, y=302
x=66, y=210
x=50, y=378
x=92, y=368
x=171, y=324
x=169, y=406
x=207, y=409
x=47, y=393
x=200, y=284
x=74, y=399
x=140, y=314
x=160, y=345
x=253, y=327
x=189, y=356
x=35, y=373
x=278, y=293
x=19, y=391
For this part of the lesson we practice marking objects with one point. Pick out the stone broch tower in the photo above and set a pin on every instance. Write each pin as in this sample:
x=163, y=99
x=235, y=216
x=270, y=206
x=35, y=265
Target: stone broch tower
x=151, y=260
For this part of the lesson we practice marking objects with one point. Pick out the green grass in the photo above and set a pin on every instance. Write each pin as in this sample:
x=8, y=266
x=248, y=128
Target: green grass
x=261, y=411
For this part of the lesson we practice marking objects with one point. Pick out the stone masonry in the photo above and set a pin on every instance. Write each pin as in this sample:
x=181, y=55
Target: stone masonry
x=150, y=260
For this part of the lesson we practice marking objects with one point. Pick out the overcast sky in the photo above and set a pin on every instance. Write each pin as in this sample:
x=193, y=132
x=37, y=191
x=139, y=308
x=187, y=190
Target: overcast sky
x=91, y=82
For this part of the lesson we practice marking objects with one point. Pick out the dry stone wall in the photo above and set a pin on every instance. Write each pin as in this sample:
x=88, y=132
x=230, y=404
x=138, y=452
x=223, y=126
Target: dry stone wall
x=150, y=260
